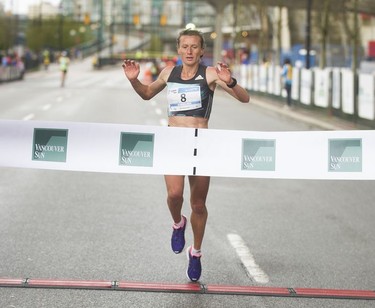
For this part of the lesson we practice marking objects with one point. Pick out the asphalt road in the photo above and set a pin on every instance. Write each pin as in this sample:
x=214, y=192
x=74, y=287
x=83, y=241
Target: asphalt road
x=99, y=226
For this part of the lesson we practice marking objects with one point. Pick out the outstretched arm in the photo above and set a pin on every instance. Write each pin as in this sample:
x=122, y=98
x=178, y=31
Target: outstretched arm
x=224, y=78
x=132, y=69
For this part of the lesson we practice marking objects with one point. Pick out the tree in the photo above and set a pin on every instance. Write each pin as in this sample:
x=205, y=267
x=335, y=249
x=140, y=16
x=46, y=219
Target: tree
x=264, y=33
x=354, y=34
x=278, y=27
x=48, y=34
x=7, y=31
x=324, y=27
x=352, y=30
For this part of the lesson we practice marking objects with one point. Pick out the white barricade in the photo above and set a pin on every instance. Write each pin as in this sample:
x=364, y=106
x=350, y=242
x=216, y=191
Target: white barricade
x=366, y=96
x=296, y=83
x=347, y=88
x=277, y=89
x=336, y=88
x=306, y=86
x=328, y=88
x=118, y=148
x=255, y=77
x=322, y=87
x=263, y=78
x=270, y=78
x=9, y=73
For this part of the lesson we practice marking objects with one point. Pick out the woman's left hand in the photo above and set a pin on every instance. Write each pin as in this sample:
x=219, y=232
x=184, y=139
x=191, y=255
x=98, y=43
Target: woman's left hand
x=223, y=72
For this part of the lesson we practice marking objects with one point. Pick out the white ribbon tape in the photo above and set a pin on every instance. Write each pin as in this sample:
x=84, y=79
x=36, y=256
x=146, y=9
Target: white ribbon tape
x=117, y=148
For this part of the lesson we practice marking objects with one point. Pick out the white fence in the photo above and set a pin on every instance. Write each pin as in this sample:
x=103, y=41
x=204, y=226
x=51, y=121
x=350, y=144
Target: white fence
x=9, y=73
x=325, y=88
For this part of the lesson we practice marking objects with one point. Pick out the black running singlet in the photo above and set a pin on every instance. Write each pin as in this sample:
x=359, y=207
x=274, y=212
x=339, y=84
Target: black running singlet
x=190, y=97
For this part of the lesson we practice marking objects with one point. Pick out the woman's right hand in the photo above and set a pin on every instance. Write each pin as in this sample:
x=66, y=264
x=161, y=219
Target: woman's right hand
x=131, y=69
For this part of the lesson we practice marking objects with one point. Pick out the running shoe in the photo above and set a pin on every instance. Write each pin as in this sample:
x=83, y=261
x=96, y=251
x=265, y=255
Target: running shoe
x=178, y=237
x=195, y=268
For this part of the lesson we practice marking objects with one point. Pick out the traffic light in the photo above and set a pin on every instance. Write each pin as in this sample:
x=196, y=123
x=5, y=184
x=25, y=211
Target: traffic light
x=163, y=20
x=86, y=19
x=136, y=19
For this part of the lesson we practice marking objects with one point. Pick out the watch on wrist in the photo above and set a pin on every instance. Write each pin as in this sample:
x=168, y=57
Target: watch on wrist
x=233, y=83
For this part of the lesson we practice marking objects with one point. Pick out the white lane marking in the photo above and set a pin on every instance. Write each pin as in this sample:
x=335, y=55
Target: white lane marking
x=164, y=122
x=46, y=107
x=28, y=117
x=247, y=259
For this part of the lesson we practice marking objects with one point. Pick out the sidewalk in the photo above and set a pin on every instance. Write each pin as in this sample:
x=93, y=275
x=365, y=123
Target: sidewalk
x=319, y=118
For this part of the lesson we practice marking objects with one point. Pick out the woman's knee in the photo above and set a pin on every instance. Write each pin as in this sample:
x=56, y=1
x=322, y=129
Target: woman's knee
x=175, y=196
x=199, y=208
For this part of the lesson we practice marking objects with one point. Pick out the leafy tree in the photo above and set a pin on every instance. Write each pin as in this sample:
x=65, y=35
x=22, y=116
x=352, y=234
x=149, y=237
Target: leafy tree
x=7, y=32
x=324, y=27
x=353, y=30
x=56, y=33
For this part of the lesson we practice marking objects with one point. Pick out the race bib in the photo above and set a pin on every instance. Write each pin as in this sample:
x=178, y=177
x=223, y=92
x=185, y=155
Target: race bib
x=183, y=97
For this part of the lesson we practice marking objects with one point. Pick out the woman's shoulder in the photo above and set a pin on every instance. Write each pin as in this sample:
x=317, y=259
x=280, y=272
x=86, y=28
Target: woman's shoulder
x=211, y=72
x=166, y=72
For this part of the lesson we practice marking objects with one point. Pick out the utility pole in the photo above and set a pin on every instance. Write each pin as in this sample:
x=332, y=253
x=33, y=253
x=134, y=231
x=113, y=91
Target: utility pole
x=308, y=32
x=100, y=27
x=61, y=26
x=126, y=25
x=234, y=31
x=112, y=28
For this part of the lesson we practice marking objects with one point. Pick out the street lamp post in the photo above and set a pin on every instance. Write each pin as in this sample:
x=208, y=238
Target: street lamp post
x=126, y=25
x=308, y=32
x=100, y=27
x=112, y=28
x=61, y=27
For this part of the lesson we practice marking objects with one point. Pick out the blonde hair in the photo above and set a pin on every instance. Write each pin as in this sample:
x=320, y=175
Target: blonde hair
x=191, y=32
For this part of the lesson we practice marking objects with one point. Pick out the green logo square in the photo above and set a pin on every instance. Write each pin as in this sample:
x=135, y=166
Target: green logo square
x=50, y=144
x=258, y=154
x=345, y=155
x=137, y=149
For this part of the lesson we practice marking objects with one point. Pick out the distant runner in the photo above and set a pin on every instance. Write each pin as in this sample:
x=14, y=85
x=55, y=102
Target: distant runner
x=64, y=62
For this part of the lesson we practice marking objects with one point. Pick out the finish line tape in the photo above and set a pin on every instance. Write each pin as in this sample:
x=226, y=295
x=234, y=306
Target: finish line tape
x=138, y=149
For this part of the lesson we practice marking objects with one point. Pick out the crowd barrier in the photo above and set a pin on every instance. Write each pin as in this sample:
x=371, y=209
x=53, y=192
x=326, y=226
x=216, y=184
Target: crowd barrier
x=9, y=73
x=325, y=88
x=138, y=149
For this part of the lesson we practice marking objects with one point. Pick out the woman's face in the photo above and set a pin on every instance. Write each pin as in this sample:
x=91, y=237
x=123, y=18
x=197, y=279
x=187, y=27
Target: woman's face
x=190, y=49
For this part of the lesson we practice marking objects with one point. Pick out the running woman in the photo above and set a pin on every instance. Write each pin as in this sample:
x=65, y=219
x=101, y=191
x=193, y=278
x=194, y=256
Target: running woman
x=190, y=93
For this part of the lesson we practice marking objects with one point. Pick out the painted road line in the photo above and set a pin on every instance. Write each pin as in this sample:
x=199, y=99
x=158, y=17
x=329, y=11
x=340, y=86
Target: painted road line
x=163, y=122
x=46, y=107
x=28, y=117
x=247, y=259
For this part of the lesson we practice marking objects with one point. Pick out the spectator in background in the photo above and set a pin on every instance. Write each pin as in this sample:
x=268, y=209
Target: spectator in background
x=5, y=61
x=266, y=62
x=46, y=59
x=245, y=58
x=20, y=66
x=287, y=75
